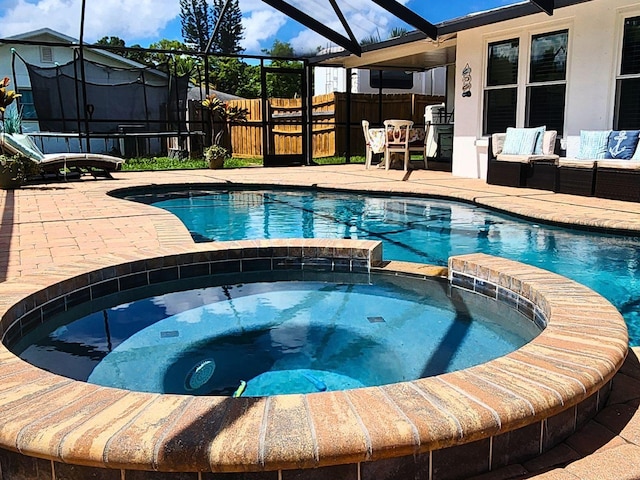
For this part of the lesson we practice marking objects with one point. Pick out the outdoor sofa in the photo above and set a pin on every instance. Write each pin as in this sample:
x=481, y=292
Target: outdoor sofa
x=606, y=165
x=59, y=164
x=523, y=157
x=603, y=163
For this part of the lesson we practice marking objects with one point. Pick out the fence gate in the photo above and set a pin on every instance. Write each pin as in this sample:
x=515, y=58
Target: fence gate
x=285, y=134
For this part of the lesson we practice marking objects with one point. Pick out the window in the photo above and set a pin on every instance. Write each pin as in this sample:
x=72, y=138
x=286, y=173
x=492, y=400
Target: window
x=27, y=108
x=540, y=100
x=627, y=112
x=546, y=89
x=500, y=96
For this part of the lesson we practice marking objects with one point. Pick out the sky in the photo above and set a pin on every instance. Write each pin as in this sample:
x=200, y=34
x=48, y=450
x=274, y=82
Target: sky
x=143, y=22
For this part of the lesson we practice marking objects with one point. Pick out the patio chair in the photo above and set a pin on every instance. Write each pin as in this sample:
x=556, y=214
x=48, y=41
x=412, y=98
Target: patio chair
x=97, y=165
x=398, y=136
x=374, y=142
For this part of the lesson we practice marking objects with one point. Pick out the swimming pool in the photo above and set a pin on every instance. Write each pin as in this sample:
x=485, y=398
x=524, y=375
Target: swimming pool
x=415, y=229
x=235, y=335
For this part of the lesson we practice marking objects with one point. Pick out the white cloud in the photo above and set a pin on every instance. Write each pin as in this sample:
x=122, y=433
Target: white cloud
x=260, y=25
x=122, y=18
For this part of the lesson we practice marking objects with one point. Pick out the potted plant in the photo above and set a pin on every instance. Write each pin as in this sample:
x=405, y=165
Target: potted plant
x=14, y=170
x=220, y=112
x=215, y=155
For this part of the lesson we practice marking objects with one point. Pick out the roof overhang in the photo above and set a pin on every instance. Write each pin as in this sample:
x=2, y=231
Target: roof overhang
x=416, y=51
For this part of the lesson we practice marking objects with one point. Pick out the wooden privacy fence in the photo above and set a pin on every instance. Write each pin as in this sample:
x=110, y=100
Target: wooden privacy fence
x=331, y=137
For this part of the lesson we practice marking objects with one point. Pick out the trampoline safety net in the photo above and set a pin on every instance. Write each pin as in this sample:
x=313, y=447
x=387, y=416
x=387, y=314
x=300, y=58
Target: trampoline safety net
x=148, y=99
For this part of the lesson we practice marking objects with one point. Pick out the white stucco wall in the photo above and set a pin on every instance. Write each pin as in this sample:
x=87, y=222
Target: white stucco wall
x=595, y=36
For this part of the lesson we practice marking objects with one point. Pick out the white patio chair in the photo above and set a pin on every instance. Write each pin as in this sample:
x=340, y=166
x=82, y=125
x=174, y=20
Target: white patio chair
x=398, y=136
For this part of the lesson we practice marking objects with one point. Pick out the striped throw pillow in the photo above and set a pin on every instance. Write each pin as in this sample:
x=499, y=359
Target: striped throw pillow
x=593, y=144
x=520, y=141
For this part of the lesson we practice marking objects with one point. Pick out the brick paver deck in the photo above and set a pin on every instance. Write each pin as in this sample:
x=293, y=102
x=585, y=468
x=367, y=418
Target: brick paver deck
x=46, y=227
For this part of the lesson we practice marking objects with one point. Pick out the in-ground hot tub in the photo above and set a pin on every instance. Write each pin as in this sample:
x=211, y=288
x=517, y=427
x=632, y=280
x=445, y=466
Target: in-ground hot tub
x=494, y=414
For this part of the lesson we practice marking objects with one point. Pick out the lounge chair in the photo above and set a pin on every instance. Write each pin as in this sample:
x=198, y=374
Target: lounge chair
x=97, y=165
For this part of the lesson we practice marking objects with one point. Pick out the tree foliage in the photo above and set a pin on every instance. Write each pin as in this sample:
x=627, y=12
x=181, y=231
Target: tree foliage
x=283, y=85
x=231, y=30
x=197, y=19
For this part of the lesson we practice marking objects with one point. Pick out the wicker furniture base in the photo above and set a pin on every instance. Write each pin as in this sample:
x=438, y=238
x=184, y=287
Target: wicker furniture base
x=541, y=175
x=510, y=174
x=575, y=180
x=618, y=184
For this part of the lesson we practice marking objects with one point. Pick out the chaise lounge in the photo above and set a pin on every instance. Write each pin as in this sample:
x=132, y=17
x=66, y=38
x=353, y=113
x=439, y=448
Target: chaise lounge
x=97, y=165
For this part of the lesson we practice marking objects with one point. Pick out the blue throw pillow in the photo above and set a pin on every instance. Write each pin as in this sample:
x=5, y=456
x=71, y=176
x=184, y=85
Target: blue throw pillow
x=520, y=141
x=538, y=148
x=593, y=144
x=622, y=144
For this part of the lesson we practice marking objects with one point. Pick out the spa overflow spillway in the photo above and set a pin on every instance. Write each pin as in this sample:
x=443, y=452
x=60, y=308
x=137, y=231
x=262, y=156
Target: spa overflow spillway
x=532, y=398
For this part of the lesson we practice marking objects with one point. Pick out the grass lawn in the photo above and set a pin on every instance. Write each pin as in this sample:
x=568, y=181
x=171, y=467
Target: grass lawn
x=166, y=163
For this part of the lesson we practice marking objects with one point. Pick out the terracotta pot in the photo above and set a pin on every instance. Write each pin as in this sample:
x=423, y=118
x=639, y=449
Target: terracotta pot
x=10, y=177
x=216, y=162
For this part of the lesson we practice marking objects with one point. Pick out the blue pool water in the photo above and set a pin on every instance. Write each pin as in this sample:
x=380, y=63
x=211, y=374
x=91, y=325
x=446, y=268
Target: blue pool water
x=279, y=337
x=419, y=230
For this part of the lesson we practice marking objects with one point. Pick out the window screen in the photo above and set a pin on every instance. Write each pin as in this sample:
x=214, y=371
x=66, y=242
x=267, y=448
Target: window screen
x=502, y=66
x=631, y=47
x=628, y=104
x=545, y=106
x=499, y=110
x=549, y=57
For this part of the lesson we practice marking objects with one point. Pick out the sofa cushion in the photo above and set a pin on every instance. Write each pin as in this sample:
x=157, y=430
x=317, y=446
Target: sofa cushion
x=622, y=144
x=526, y=158
x=497, y=143
x=520, y=141
x=593, y=144
x=539, y=147
x=618, y=164
x=548, y=142
x=576, y=163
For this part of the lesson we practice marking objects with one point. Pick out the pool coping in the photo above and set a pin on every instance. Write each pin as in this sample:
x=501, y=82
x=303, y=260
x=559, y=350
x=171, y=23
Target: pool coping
x=557, y=376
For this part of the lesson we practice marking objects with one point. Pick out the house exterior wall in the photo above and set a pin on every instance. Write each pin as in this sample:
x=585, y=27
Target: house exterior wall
x=594, y=54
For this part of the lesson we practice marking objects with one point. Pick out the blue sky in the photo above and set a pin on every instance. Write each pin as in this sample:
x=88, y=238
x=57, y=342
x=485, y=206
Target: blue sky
x=146, y=21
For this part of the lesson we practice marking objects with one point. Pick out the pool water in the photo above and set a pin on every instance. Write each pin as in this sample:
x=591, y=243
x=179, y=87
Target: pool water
x=416, y=229
x=279, y=337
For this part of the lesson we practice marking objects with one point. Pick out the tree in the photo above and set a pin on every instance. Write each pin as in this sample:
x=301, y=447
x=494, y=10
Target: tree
x=197, y=23
x=283, y=85
x=230, y=75
x=231, y=30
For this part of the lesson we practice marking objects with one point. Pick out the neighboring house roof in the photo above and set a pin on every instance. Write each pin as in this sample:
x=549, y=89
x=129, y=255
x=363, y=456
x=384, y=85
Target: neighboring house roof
x=49, y=35
x=199, y=93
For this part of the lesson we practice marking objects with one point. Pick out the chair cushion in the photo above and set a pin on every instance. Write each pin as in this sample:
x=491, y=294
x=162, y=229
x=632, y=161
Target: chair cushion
x=520, y=141
x=622, y=144
x=21, y=144
x=593, y=144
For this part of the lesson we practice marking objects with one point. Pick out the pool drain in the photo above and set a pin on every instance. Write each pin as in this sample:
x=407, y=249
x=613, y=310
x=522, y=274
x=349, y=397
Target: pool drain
x=199, y=375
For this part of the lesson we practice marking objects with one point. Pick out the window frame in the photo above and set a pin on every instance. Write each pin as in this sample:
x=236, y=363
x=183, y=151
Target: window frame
x=501, y=87
x=530, y=85
x=526, y=36
x=623, y=16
